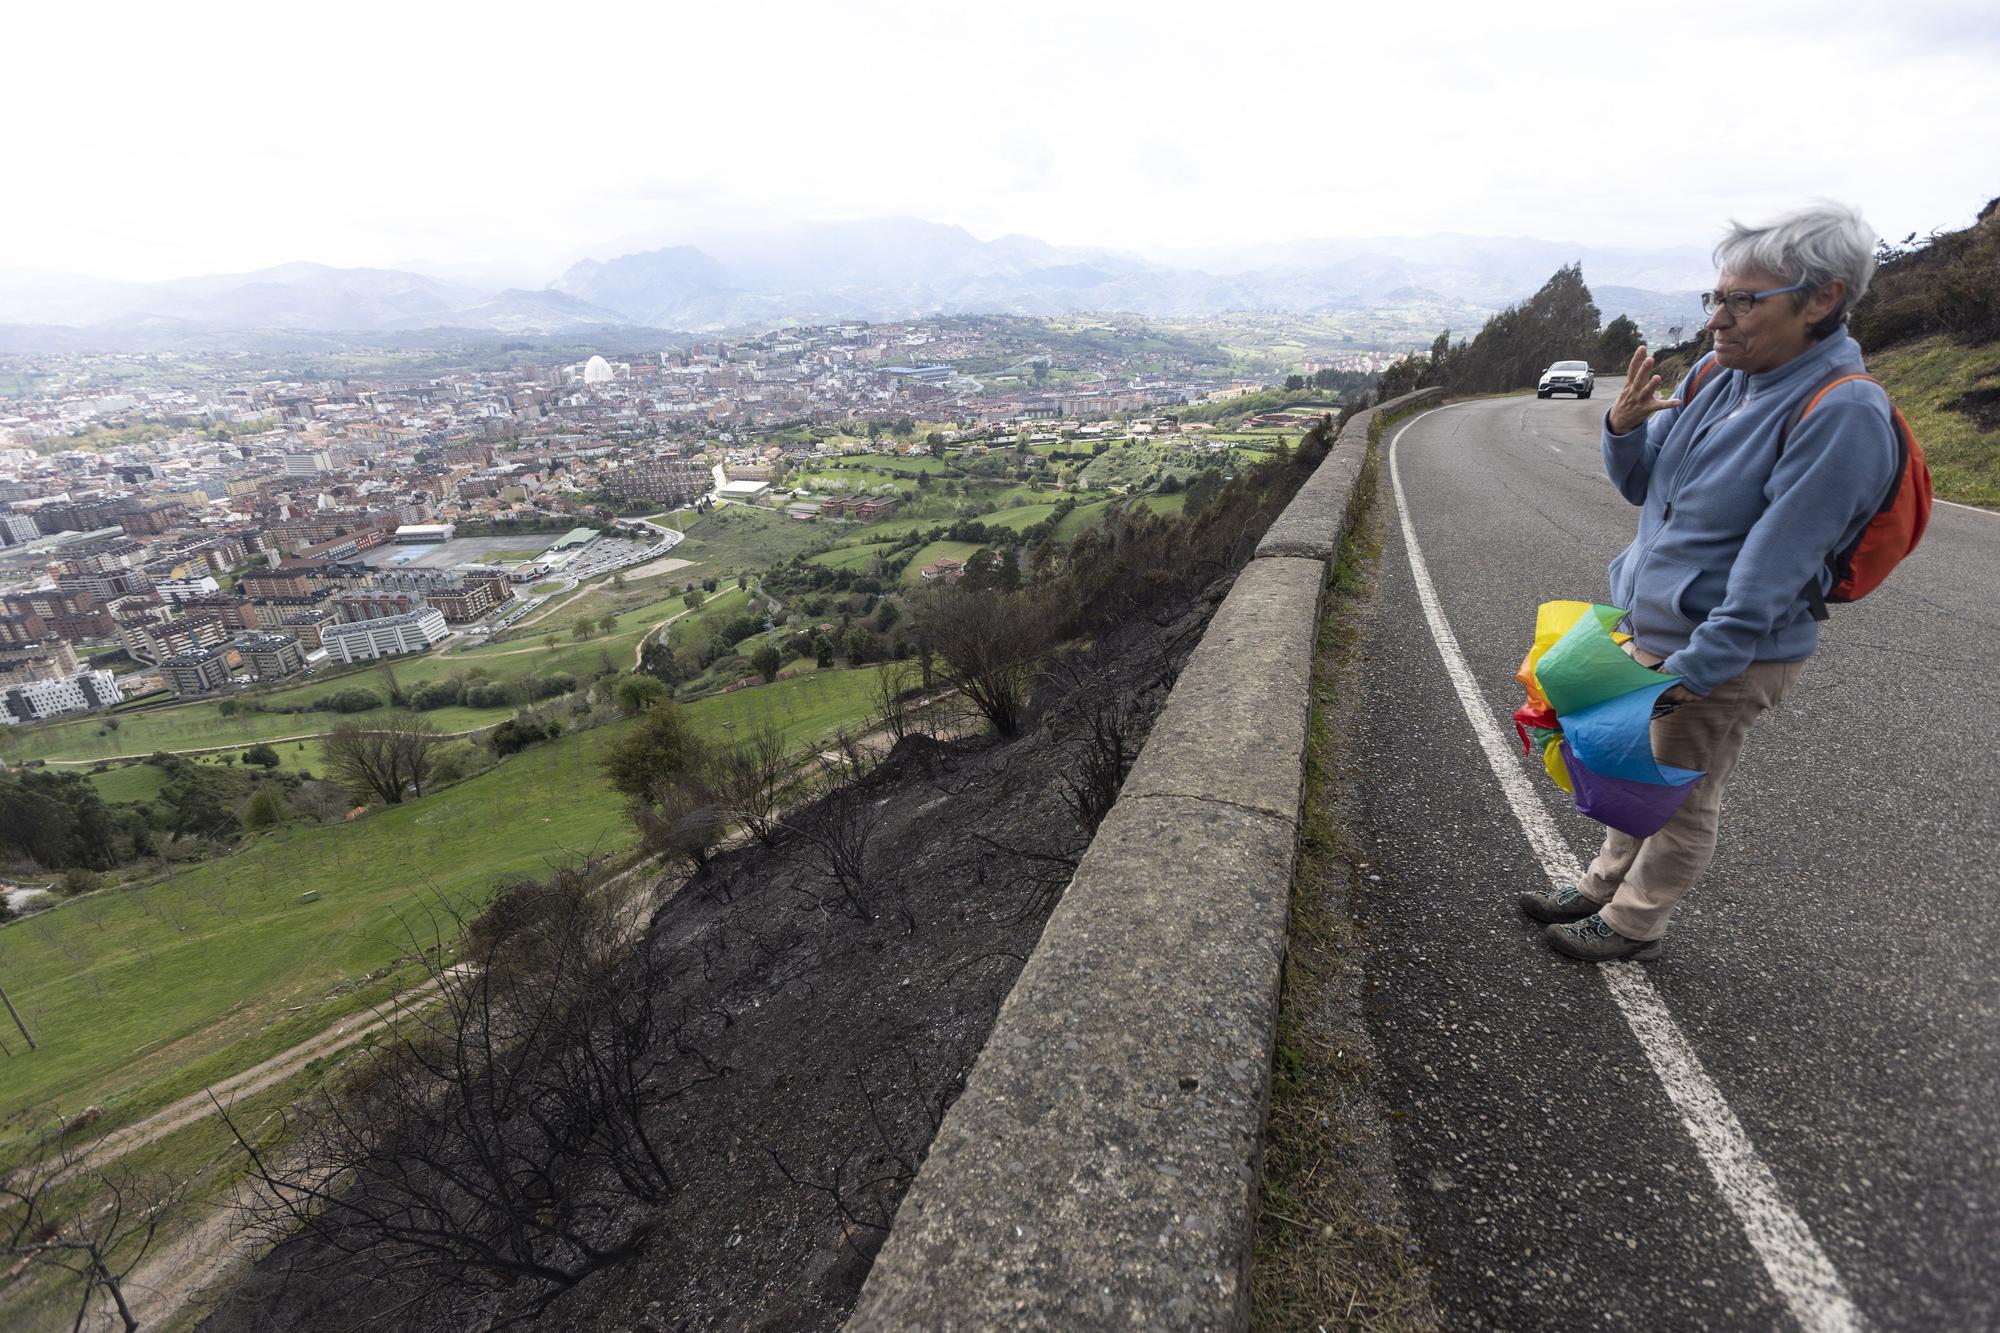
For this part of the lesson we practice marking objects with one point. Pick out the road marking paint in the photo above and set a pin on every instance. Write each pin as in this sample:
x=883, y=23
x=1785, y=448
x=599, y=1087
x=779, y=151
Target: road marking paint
x=1804, y=1277
x=1970, y=509
x=1552, y=449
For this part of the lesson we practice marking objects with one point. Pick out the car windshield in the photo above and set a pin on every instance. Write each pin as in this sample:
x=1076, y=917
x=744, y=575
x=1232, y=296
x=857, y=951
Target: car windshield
x=1571, y=365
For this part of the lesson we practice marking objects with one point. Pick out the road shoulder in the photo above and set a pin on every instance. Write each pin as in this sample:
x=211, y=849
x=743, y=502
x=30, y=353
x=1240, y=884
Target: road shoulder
x=1334, y=1248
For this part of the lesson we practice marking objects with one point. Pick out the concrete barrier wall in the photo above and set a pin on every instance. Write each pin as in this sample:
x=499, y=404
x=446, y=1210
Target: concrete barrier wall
x=1100, y=1169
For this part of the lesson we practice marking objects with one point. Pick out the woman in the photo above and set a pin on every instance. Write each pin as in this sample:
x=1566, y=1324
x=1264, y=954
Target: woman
x=1742, y=501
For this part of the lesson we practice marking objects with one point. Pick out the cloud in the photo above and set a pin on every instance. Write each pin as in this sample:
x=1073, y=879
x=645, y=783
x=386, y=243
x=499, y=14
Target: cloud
x=213, y=136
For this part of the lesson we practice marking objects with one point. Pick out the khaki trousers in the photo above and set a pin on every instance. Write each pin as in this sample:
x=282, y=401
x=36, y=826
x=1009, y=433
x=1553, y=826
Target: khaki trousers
x=1638, y=881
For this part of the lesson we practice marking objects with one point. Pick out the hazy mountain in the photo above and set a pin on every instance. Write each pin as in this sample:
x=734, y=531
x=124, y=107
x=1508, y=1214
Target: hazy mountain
x=883, y=269
x=898, y=268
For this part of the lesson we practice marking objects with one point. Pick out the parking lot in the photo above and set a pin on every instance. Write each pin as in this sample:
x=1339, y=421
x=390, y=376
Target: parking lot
x=457, y=551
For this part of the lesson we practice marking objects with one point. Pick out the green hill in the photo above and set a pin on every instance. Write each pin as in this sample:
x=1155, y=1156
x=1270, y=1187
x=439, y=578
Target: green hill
x=139, y=996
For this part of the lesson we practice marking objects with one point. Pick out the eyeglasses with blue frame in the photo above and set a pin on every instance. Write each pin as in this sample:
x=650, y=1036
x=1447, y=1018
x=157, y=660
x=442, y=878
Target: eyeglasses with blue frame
x=1739, y=303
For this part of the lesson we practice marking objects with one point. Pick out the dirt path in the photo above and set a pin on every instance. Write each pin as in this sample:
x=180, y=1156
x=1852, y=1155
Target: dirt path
x=198, y=1106
x=240, y=745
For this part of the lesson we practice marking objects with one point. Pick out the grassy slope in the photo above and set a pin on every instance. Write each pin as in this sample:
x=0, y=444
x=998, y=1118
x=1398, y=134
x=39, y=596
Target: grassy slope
x=142, y=996
x=743, y=539
x=914, y=571
x=1922, y=377
x=850, y=557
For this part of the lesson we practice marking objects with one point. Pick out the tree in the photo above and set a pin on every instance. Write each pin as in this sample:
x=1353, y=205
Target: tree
x=1621, y=338
x=583, y=628
x=766, y=661
x=691, y=599
x=265, y=809
x=509, y=1136
x=642, y=762
x=384, y=757
x=888, y=698
x=1201, y=492
x=262, y=755
x=59, y=1212
x=549, y=641
x=750, y=778
x=822, y=651
x=635, y=694
x=989, y=645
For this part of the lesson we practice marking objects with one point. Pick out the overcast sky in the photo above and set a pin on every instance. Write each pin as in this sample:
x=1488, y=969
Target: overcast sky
x=153, y=141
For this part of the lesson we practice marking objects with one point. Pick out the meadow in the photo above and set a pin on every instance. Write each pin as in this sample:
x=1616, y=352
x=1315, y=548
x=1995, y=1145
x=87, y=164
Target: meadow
x=143, y=995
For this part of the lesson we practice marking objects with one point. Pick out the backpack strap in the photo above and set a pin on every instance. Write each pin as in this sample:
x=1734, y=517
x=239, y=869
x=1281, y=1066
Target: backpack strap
x=1815, y=596
x=1699, y=376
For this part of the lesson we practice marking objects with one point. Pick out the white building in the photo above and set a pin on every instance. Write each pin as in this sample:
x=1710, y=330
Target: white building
x=744, y=492
x=385, y=636
x=424, y=534
x=307, y=465
x=47, y=698
x=175, y=589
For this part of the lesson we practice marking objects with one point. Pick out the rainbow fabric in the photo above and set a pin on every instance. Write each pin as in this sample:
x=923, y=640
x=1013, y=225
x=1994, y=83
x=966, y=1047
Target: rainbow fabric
x=1589, y=715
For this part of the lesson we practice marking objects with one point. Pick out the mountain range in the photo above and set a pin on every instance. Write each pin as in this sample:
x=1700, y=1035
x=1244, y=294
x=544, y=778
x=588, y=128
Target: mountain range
x=885, y=269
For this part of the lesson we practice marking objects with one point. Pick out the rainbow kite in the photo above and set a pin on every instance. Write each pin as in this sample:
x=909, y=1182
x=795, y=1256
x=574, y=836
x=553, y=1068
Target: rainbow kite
x=1589, y=716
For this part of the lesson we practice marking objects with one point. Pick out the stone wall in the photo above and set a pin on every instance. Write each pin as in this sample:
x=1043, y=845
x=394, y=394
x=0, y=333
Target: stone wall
x=1100, y=1169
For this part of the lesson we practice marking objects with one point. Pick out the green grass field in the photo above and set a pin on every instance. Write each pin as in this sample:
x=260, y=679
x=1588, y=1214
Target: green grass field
x=129, y=782
x=735, y=539
x=1163, y=504
x=141, y=996
x=1020, y=518
x=1922, y=377
x=913, y=572
x=699, y=624
x=850, y=557
x=1081, y=519
x=853, y=480
x=911, y=465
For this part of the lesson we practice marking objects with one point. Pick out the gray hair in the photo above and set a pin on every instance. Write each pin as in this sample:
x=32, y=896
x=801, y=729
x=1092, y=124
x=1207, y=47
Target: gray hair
x=1812, y=247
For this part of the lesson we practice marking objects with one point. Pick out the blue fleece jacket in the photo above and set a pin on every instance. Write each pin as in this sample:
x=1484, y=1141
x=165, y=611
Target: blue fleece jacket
x=1731, y=528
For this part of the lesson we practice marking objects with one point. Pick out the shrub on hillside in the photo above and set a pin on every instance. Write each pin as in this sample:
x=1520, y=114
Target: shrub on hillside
x=518, y=733
x=1950, y=284
x=487, y=694
x=349, y=701
x=548, y=687
x=436, y=694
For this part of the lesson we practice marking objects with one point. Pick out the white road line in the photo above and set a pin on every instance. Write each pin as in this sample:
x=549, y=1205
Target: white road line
x=1970, y=509
x=1552, y=449
x=1804, y=1277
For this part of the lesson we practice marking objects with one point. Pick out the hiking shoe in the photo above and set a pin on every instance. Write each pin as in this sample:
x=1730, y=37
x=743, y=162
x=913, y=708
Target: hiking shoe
x=1594, y=942
x=1567, y=904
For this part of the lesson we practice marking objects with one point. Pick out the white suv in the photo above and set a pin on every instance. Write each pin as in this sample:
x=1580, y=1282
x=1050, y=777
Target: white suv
x=1567, y=377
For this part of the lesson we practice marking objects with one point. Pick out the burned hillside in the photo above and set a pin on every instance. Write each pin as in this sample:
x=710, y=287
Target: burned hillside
x=811, y=1002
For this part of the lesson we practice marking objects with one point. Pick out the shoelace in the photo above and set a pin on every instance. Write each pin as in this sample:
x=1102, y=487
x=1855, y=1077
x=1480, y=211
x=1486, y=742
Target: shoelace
x=1590, y=925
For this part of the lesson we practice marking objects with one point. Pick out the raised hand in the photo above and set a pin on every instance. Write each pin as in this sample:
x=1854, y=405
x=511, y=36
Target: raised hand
x=1640, y=397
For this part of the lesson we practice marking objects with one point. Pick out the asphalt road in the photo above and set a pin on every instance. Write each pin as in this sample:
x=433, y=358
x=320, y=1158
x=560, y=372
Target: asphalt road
x=1834, y=974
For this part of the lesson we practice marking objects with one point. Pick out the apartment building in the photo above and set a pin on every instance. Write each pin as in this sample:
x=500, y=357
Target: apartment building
x=196, y=673
x=365, y=640
x=271, y=656
x=32, y=701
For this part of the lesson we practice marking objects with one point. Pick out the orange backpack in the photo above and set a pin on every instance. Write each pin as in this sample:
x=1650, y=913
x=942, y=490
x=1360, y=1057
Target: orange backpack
x=1899, y=521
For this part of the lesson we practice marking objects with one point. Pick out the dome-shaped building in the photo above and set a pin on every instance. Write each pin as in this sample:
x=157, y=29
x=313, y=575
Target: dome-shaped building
x=597, y=371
